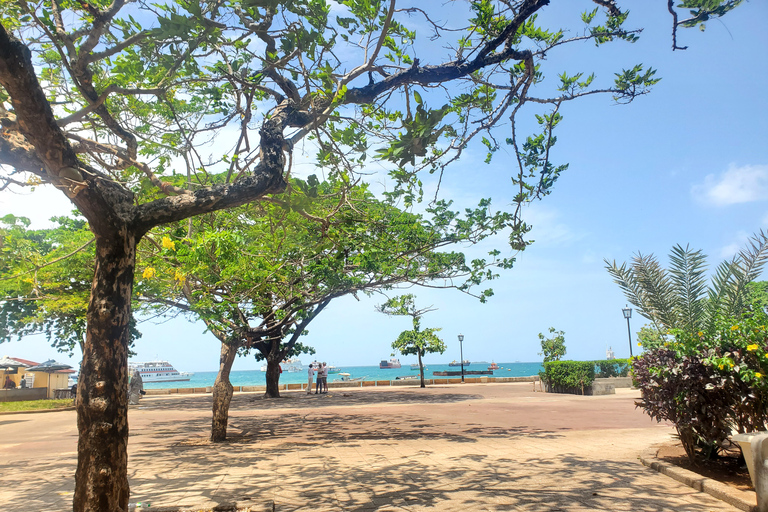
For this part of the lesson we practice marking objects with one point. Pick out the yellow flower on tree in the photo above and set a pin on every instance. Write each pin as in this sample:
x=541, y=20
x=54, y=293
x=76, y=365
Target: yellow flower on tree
x=169, y=244
x=148, y=273
x=752, y=347
x=179, y=276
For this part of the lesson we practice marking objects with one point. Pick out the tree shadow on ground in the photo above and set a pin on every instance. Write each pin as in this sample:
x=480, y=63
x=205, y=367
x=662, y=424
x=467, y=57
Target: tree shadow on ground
x=302, y=400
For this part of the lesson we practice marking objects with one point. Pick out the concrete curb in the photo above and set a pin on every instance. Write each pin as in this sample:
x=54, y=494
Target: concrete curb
x=743, y=500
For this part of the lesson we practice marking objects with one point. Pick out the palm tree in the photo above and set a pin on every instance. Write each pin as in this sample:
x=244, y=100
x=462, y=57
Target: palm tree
x=678, y=297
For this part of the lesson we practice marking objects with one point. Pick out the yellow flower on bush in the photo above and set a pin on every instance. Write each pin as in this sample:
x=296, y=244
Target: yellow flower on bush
x=721, y=367
x=752, y=347
x=758, y=375
x=735, y=328
x=148, y=273
x=701, y=334
x=169, y=244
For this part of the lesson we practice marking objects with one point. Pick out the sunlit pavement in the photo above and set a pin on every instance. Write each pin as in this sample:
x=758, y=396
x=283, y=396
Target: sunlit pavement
x=445, y=448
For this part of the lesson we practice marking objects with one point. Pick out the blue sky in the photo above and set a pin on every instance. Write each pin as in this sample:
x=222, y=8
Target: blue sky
x=686, y=164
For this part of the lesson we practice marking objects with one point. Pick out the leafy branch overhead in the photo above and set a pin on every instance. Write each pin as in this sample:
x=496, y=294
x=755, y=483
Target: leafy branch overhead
x=140, y=91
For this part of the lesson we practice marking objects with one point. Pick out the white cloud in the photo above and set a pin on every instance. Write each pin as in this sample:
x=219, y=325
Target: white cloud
x=548, y=227
x=743, y=184
x=729, y=251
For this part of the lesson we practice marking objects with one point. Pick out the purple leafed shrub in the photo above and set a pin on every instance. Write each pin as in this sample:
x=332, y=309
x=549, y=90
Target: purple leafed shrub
x=685, y=391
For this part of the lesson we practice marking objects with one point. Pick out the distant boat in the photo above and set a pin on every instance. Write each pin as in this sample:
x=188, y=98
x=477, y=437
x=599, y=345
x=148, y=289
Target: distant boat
x=416, y=367
x=333, y=369
x=158, y=371
x=392, y=363
x=345, y=377
x=493, y=366
x=407, y=377
x=456, y=363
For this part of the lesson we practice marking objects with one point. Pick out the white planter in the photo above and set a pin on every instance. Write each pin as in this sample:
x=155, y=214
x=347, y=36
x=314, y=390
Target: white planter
x=745, y=442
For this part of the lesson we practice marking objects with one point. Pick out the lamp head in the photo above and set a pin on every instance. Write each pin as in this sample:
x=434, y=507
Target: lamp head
x=461, y=337
x=627, y=312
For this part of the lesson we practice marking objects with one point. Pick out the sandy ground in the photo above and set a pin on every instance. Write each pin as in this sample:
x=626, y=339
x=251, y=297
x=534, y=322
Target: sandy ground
x=455, y=447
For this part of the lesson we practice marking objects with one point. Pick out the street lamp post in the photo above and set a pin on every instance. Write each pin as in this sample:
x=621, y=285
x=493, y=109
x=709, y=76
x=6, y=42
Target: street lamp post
x=461, y=349
x=628, y=314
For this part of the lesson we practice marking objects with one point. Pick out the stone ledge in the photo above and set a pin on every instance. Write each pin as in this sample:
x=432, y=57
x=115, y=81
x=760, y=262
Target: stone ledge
x=743, y=500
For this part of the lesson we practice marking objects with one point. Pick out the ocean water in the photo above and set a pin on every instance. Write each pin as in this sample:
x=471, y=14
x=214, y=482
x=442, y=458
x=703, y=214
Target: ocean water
x=258, y=378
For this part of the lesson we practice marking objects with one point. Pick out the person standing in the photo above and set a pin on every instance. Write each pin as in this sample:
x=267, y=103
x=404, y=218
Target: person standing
x=325, y=378
x=310, y=375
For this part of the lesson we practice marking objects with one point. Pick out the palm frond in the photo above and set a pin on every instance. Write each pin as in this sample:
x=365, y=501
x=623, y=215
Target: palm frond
x=688, y=275
x=657, y=289
x=720, y=289
x=751, y=259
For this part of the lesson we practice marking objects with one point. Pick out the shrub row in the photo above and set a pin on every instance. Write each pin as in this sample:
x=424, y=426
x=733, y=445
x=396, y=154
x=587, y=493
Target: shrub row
x=576, y=377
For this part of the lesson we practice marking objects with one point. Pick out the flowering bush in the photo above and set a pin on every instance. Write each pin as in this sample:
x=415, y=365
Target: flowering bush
x=708, y=383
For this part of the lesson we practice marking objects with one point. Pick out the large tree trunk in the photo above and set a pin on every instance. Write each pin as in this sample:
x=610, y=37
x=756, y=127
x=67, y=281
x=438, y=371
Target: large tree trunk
x=222, y=394
x=273, y=378
x=421, y=369
x=101, y=480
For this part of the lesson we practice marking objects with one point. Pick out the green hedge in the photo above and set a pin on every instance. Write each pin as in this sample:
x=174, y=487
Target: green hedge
x=577, y=376
x=569, y=376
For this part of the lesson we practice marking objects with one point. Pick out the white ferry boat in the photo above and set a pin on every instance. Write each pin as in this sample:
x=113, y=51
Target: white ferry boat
x=158, y=371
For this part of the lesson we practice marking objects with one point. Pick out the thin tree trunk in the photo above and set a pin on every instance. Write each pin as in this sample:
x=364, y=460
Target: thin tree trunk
x=101, y=479
x=421, y=369
x=222, y=393
x=273, y=378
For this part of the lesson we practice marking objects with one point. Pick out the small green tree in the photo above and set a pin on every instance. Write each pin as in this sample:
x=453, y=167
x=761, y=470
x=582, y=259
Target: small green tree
x=415, y=341
x=552, y=348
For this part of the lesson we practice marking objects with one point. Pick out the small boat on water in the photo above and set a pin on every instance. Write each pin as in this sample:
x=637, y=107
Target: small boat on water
x=158, y=371
x=493, y=366
x=333, y=369
x=457, y=363
x=392, y=363
x=346, y=377
x=407, y=377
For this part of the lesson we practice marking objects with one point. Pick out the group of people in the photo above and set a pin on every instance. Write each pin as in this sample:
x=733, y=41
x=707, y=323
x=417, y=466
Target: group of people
x=322, y=378
x=9, y=384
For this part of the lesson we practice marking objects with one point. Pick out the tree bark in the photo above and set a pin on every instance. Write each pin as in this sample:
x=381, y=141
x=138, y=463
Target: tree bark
x=222, y=394
x=273, y=378
x=101, y=480
x=421, y=369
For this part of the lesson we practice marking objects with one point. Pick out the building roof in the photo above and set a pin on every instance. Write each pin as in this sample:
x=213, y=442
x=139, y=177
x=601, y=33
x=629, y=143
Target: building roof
x=33, y=363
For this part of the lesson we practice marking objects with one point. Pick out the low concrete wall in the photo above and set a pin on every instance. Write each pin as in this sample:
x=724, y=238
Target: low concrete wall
x=356, y=384
x=19, y=395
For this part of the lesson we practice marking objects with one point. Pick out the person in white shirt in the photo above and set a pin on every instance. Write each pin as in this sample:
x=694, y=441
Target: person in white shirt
x=324, y=379
x=310, y=375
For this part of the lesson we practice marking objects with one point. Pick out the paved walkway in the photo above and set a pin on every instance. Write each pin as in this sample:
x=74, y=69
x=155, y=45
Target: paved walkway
x=478, y=447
